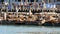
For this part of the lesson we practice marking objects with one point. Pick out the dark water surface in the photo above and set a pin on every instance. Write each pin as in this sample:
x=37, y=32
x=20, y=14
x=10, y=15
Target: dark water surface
x=27, y=29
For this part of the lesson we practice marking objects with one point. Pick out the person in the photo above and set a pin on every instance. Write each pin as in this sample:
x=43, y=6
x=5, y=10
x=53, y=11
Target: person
x=9, y=7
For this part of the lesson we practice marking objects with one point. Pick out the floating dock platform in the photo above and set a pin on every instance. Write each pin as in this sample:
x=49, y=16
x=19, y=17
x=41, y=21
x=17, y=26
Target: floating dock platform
x=30, y=14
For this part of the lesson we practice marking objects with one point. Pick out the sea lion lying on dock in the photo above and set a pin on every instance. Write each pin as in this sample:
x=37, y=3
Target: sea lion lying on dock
x=50, y=19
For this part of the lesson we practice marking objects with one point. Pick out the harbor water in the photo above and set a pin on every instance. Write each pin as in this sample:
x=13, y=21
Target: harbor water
x=27, y=29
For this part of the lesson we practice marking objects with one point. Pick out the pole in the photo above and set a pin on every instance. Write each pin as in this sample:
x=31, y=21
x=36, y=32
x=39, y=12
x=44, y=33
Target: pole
x=21, y=2
x=30, y=13
x=5, y=15
x=16, y=11
x=26, y=1
x=34, y=0
x=48, y=1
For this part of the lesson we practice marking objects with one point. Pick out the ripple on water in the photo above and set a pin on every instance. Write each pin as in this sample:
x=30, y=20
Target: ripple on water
x=23, y=29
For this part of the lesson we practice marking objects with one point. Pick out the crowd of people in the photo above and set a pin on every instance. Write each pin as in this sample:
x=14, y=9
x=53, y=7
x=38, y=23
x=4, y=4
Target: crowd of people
x=25, y=5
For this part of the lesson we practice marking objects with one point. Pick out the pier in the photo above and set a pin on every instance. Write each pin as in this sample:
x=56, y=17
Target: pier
x=30, y=13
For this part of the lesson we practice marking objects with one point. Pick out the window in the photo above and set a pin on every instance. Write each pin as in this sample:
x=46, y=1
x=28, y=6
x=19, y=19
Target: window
x=24, y=1
x=28, y=0
x=19, y=0
x=15, y=0
x=36, y=0
x=39, y=0
x=58, y=0
x=32, y=0
x=1, y=0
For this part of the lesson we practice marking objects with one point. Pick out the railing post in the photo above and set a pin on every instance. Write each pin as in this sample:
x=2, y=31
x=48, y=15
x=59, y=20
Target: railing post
x=5, y=16
x=30, y=13
x=16, y=11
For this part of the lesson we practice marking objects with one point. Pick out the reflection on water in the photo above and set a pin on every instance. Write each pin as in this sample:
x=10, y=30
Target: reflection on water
x=26, y=29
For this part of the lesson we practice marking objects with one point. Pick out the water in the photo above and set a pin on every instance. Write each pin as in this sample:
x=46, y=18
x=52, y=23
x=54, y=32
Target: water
x=26, y=29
